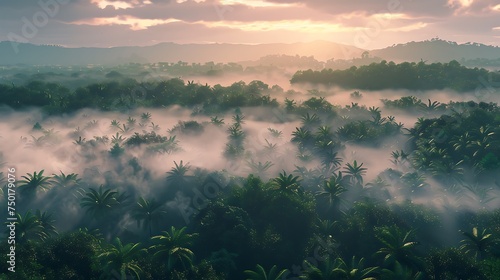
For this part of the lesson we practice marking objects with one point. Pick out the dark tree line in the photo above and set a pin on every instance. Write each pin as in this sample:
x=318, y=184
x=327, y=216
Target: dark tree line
x=128, y=94
x=406, y=75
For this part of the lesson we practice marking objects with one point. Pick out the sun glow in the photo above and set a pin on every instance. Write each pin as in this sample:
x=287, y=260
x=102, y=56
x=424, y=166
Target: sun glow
x=255, y=3
x=288, y=25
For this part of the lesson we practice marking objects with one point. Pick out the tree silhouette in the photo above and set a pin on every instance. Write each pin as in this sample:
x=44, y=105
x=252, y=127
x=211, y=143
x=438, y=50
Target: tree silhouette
x=177, y=174
x=355, y=173
x=332, y=189
x=66, y=181
x=147, y=212
x=99, y=202
x=31, y=183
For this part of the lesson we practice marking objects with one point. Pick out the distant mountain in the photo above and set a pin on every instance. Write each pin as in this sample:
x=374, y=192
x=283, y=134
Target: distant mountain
x=167, y=52
x=434, y=50
x=437, y=50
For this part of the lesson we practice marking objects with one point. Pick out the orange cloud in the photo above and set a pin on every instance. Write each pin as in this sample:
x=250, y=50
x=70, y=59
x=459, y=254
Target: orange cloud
x=133, y=22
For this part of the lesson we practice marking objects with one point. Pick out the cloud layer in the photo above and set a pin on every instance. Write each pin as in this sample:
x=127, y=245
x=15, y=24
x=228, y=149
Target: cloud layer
x=363, y=23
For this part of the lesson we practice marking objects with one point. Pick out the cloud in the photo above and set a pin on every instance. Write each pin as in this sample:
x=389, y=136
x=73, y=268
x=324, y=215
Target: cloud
x=133, y=22
x=255, y=21
x=290, y=25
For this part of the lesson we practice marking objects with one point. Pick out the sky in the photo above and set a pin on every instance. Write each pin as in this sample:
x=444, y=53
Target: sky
x=367, y=24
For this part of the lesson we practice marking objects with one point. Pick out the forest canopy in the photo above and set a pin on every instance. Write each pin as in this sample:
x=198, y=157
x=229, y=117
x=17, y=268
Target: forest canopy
x=406, y=75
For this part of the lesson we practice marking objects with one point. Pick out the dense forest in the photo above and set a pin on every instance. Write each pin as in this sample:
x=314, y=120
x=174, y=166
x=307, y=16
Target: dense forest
x=406, y=75
x=168, y=179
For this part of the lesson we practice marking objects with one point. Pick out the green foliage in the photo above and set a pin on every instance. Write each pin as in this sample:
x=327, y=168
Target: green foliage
x=406, y=75
x=148, y=213
x=99, y=202
x=451, y=263
x=397, y=246
x=260, y=273
x=172, y=246
x=478, y=243
x=447, y=144
x=121, y=259
x=31, y=183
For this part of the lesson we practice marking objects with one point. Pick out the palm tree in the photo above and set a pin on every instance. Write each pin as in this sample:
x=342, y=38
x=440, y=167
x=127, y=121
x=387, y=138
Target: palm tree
x=326, y=227
x=173, y=245
x=478, y=243
x=414, y=181
x=323, y=271
x=449, y=171
x=235, y=132
x=461, y=143
x=99, y=202
x=238, y=119
x=324, y=133
x=309, y=120
x=122, y=258
x=216, y=121
x=378, y=183
x=32, y=183
x=149, y=212
x=47, y=222
x=333, y=188
x=177, y=174
x=131, y=121
x=63, y=180
x=287, y=183
x=29, y=228
x=37, y=142
x=330, y=160
x=290, y=104
x=479, y=193
x=115, y=124
x=398, y=246
x=301, y=136
x=259, y=273
x=117, y=139
x=259, y=168
x=431, y=106
x=275, y=133
x=310, y=177
x=375, y=111
x=355, y=173
x=353, y=271
x=399, y=157
x=145, y=116
x=401, y=272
